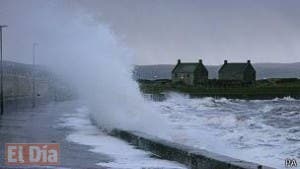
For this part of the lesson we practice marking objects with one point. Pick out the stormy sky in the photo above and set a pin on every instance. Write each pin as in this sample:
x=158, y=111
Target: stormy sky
x=161, y=31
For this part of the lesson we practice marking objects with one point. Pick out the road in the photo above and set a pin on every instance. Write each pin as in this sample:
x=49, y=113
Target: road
x=49, y=124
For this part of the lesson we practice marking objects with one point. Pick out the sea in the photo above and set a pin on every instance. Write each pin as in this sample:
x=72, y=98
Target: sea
x=260, y=131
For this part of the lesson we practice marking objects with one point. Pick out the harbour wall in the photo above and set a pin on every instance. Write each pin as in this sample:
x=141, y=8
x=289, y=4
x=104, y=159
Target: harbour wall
x=193, y=158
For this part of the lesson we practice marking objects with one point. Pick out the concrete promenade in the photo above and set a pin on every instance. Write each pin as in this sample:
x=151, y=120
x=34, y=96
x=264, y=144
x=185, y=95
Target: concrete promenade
x=39, y=126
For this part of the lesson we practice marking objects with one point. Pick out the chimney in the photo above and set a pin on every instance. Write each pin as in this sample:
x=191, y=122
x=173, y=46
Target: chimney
x=225, y=62
x=200, y=61
x=178, y=61
x=248, y=61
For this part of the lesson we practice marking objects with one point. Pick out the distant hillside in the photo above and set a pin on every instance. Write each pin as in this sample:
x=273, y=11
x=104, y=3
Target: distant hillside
x=263, y=70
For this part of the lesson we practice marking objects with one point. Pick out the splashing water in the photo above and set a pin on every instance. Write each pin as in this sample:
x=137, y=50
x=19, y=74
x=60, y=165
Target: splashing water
x=121, y=154
x=101, y=70
x=262, y=131
x=89, y=56
x=85, y=52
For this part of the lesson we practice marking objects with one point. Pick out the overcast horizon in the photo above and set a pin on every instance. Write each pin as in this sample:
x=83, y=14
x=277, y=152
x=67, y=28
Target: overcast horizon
x=218, y=64
x=162, y=31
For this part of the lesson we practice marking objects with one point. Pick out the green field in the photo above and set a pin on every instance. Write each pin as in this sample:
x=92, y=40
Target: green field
x=261, y=89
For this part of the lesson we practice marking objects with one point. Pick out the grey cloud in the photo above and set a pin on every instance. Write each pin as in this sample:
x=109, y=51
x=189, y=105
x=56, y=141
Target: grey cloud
x=160, y=31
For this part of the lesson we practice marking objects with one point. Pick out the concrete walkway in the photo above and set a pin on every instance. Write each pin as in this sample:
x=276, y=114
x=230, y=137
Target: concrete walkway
x=38, y=126
x=82, y=144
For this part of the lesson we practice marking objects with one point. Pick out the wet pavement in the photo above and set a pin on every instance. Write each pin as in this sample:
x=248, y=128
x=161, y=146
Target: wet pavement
x=40, y=126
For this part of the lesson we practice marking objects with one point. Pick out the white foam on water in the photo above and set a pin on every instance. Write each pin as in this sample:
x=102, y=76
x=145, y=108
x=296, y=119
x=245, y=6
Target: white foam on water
x=253, y=131
x=124, y=155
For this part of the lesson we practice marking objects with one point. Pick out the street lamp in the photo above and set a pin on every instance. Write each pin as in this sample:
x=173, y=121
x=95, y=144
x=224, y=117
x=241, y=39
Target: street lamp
x=1, y=83
x=34, y=45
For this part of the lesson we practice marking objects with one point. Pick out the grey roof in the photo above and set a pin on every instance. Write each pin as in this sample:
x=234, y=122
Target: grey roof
x=186, y=67
x=233, y=68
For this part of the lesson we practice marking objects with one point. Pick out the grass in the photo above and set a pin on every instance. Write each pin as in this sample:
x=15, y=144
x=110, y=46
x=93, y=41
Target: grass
x=262, y=89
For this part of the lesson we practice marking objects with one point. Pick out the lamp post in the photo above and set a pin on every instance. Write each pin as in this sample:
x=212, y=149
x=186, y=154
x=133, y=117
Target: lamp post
x=34, y=45
x=1, y=83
